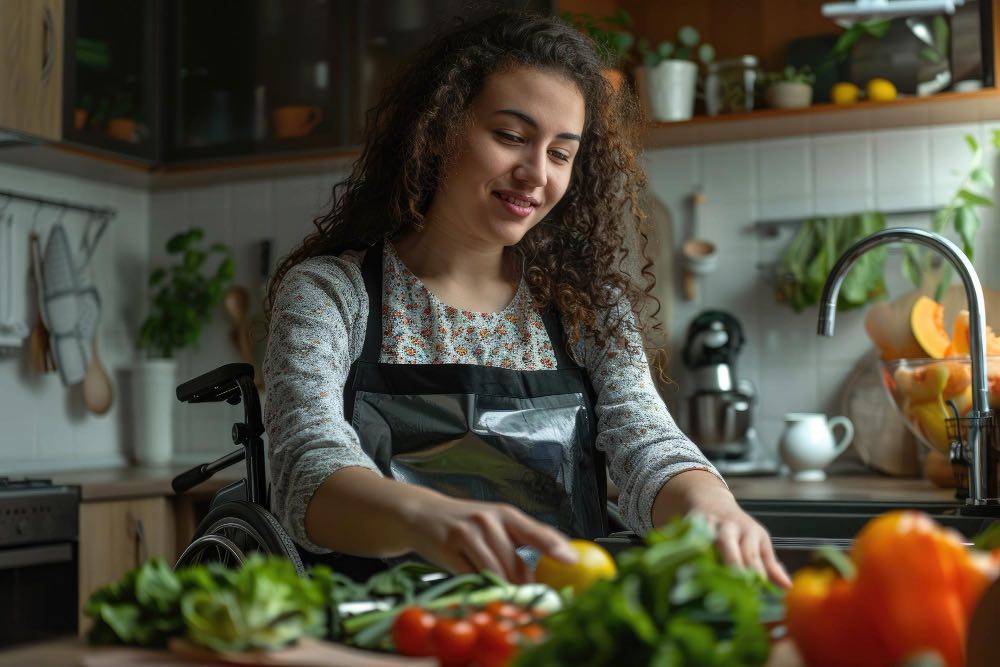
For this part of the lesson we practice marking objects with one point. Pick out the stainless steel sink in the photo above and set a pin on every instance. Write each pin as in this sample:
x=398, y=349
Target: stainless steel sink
x=798, y=528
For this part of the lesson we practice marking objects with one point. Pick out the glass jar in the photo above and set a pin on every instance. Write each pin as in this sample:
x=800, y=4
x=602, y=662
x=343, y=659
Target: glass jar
x=731, y=85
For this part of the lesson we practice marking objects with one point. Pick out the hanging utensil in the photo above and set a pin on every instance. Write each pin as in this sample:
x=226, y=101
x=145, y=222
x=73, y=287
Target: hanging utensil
x=97, y=391
x=38, y=339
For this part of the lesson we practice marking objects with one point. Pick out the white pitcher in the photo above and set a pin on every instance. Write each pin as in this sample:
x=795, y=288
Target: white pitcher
x=807, y=443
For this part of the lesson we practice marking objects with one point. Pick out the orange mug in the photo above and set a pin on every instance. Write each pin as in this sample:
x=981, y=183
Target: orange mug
x=296, y=120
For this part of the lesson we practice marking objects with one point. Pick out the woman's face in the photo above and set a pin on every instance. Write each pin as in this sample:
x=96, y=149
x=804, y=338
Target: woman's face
x=516, y=160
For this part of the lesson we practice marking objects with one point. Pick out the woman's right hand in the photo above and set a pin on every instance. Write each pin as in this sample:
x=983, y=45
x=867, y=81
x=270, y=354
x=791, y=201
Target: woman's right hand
x=470, y=536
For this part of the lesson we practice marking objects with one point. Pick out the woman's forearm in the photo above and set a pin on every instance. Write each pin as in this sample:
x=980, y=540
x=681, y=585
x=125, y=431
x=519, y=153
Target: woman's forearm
x=358, y=512
x=682, y=492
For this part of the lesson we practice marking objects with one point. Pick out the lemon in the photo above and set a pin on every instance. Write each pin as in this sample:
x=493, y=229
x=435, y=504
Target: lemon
x=593, y=563
x=844, y=93
x=880, y=90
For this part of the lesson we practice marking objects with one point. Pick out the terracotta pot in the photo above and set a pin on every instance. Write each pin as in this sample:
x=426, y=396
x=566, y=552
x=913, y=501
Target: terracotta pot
x=122, y=129
x=614, y=76
x=79, y=118
x=296, y=120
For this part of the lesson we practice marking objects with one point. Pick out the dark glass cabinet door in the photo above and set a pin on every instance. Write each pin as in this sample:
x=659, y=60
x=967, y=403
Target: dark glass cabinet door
x=176, y=81
x=110, y=101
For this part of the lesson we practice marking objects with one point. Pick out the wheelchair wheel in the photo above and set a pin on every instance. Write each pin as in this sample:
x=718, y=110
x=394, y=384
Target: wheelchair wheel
x=234, y=530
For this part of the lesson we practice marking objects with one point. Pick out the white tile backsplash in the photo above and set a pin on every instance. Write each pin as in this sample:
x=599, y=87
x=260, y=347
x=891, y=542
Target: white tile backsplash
x=793, y=368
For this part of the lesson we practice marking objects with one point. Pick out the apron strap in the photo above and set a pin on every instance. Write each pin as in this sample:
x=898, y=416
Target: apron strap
x=371, y=272
x=553, y=326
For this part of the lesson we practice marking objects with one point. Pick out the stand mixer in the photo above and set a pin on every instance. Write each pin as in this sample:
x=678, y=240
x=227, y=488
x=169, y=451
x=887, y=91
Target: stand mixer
x=718, y=415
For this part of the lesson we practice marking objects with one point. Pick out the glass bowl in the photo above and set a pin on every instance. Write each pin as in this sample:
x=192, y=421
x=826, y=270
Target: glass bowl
x=921, y=390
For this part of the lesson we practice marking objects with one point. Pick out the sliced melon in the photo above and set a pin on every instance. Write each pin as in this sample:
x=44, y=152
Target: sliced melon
x=959, y=377
x=923, y=384
x=927, y=325
x=960, y=336
x=930, y=420
x=888, y=327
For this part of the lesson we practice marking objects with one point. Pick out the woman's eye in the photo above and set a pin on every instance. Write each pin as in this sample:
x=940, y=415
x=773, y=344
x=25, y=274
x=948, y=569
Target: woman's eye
x=507, y=136
x=562, y=156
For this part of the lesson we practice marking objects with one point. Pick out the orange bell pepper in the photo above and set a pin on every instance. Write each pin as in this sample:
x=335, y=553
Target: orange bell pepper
x=823, y=622
x=918, y=585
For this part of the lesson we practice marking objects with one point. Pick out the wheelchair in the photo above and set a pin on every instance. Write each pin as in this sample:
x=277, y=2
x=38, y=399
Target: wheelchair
x=238, y=522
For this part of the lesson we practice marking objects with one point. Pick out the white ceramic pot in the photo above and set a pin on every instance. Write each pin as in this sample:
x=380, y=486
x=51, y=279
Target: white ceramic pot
x=807, y=444
x=154, y=383
x=788, y=95
x=671, y=89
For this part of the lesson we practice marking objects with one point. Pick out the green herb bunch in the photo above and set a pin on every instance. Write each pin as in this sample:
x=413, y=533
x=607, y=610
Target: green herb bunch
x=674, y=603
x=185, y=295
x=265, y=604
x=684, y=49
x=612, y=34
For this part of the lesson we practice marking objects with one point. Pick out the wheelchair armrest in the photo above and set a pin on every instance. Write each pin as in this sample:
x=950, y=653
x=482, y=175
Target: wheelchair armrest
x=217, y=385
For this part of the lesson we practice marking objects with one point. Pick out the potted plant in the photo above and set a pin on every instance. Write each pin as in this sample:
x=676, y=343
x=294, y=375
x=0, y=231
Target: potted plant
x=790, y=88
x=185, y=294
x=613, y=37
x=669, y=74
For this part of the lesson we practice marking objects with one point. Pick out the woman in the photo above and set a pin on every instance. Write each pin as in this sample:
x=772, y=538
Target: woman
x=457, y=347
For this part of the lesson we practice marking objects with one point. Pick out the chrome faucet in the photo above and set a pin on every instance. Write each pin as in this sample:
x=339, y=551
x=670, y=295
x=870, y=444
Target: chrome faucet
x=983, y=487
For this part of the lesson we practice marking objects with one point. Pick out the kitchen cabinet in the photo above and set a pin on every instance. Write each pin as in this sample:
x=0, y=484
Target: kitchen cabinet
x=31, y=67
x=118, y=535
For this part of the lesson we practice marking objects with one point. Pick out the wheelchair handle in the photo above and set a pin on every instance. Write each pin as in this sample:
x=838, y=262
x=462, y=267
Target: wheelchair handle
x=201, y=472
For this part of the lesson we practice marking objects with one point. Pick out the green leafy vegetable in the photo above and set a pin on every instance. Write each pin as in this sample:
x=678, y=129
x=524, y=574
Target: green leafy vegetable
x=264, y=604
x=674, y=603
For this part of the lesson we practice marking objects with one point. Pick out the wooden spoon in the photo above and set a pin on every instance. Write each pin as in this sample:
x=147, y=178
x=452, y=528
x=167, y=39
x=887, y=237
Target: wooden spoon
x=237, y=304
x=97, y=392
x=38, y=339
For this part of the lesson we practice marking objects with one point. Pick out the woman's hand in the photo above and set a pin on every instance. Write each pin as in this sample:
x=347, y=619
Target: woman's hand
x=741, y=540
x=470, y=536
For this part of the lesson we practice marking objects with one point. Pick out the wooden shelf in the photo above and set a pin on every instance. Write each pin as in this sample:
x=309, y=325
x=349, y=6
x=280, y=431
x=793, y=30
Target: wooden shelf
x=982, y=105
x=940, y=109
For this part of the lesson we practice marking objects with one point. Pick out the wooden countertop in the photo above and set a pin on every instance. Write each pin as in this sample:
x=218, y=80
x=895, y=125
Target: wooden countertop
x=136, y=482
x=74, y=653
x=848, y=487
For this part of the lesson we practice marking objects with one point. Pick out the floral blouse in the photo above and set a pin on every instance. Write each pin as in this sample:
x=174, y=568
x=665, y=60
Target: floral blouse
x=318, y=330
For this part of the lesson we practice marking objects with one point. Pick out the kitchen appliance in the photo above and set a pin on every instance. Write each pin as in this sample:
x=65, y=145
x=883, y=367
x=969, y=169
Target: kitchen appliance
x=39, y=531
x=718, y=415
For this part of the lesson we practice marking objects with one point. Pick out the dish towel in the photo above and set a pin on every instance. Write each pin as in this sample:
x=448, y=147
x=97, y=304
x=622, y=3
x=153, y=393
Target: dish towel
x=71, y=308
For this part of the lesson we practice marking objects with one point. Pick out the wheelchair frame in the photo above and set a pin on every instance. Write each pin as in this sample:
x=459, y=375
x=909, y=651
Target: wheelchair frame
x=238, y=521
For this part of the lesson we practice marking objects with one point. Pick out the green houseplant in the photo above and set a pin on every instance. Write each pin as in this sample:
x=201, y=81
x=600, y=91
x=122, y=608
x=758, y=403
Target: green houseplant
x=612, y=34
x=184, y=295
x=669, y=74
x=791, y=88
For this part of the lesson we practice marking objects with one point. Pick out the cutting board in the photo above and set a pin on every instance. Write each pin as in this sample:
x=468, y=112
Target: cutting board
x=307, y=653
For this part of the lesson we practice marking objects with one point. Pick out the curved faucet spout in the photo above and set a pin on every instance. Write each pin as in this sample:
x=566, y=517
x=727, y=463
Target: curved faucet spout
x=977, y=331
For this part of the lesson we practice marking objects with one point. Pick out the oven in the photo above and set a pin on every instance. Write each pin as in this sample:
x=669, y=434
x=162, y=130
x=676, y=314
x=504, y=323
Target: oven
x=39, y=536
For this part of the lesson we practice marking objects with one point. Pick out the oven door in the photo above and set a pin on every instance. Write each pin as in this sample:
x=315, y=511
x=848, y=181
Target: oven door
x=38, y=592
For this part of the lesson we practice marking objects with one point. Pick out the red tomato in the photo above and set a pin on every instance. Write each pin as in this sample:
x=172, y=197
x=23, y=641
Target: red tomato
x=533, y=632
x=479, y=618
x=501, y=609
x=453, y=640
x=411, y=632
x=495, y=646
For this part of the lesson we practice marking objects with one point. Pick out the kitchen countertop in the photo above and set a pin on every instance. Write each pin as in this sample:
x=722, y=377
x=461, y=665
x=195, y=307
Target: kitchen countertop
x=134, y=481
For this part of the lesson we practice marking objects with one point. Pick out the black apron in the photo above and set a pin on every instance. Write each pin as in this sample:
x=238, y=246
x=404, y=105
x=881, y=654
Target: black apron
x=478, y=432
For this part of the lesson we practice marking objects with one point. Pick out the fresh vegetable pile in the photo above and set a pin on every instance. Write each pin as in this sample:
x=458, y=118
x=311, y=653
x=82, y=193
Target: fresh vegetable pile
x=909, y=589
x=263, y=605
x=673, y=603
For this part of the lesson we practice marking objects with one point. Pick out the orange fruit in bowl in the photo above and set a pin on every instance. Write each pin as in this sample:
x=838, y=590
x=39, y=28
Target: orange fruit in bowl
x=593, y=564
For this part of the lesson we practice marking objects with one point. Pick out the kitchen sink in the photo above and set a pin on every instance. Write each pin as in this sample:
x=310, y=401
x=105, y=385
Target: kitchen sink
x=800, y=527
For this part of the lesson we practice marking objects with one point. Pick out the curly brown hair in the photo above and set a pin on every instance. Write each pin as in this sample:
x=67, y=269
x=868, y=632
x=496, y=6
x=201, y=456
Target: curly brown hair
x=576, y=259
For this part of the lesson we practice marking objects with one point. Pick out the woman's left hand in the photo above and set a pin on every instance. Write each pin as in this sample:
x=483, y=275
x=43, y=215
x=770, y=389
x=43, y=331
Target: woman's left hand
x=742, y=541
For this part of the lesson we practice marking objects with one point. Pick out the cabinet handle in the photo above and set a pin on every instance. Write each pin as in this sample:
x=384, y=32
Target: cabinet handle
x=48, y=43
x=141, y=549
